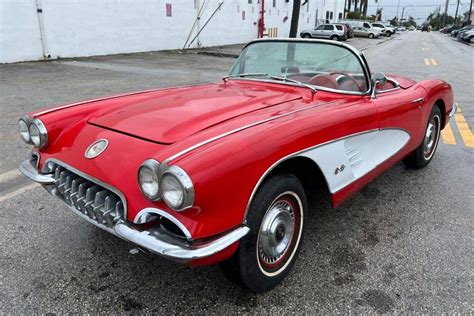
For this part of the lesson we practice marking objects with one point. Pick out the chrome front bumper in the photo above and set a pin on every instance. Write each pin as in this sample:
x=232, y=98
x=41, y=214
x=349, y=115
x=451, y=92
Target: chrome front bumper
x=154, y=239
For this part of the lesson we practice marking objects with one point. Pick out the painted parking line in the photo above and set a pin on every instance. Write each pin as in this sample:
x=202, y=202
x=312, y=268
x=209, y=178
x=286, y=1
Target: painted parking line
x=464, y=129
x=427, y=62
x=434, y=62
x=12, y=174
x=447, y=135
x=18, y=192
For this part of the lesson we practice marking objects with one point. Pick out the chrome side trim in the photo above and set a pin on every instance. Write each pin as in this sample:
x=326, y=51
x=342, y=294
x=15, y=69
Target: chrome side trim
x=148, y=214
x=419, y=100
x=210, y=140
x=172, y=249
x=348, y=153
x=453, y=110
x=28, y=170
x=92, y=179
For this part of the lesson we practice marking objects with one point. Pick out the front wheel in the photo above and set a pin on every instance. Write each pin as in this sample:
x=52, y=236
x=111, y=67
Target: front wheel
x=471, y=39
x=275, y=218
x=422, y=156
x=388, y=34
x=371, y=35
x=335, y=38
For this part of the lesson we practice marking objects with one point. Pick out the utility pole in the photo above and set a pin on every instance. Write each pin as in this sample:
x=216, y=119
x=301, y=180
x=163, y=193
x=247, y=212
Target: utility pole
x=445, y=13
x=470, y=13
x=456, y=15
x=295, y=16
x=398, y=8
x=401, y=19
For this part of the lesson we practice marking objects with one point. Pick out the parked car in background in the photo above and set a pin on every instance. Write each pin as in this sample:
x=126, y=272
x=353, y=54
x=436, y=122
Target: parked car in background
x=401, y=29
x=335, y=32
x=360, y=31
x=311, y=116
x=385, y=30
x=349, y=30
x=468, y=36
x=425, y=28
x=356, y=23
x=412, y=28
x=461, y=32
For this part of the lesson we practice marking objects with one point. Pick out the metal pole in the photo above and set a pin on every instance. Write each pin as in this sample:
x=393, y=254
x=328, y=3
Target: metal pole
x=445, y=13
x=470, y=13
x=44, y=42
x=403, y=12
x=398, y=8
x=456, y=15
x=212, y=15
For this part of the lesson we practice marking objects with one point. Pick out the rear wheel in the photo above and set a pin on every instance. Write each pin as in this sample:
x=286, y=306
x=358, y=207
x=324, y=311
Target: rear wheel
x=306, y=36
x=471, y=39
x=275, y=218
x=371, y=35
x=335, y=38
x=388, y=33
x=422, y=156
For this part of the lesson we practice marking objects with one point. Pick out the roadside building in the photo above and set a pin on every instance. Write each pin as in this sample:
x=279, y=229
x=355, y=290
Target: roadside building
x=49, y=29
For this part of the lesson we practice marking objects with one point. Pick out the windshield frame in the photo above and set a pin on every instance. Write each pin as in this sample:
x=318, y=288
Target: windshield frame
x=360, y=57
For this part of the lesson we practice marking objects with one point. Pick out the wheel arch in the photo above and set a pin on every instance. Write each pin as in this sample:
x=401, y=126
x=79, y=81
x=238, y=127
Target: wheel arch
x=305, y=169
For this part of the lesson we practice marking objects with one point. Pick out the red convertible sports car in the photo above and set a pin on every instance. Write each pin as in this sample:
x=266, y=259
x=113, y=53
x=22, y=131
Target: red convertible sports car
x=221, y=172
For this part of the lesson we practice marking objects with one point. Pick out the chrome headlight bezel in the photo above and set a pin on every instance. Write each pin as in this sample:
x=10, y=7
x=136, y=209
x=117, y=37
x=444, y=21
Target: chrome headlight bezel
x=186, y=185
x=153, y=167
x=38, y=125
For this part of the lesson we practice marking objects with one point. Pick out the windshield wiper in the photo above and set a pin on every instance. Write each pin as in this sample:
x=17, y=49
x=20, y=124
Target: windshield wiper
x=294, y=81
x=248, y=74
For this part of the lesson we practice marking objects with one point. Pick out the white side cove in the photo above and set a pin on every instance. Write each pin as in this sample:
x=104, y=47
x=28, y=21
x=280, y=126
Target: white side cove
x=346, y=160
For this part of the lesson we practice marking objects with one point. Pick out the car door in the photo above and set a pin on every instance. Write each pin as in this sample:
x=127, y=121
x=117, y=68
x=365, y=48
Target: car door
x=402, y=109
x=318, y=32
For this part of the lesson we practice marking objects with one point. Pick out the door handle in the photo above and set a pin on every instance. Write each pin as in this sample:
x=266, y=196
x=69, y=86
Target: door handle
x=419, y=100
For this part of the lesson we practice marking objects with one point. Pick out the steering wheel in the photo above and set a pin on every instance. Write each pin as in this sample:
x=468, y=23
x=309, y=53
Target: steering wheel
x=347, y=76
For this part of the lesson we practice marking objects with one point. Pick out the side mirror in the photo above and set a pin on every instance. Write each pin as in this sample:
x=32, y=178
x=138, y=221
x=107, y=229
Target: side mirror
x=377, y=78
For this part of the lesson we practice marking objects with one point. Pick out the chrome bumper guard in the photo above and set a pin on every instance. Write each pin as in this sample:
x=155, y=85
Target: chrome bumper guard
x=453, y=110
x=153, y=239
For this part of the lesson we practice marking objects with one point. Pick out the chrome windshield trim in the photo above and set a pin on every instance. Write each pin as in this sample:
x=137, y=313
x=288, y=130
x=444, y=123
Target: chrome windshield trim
x=360, y=56
x=397, y=87
x=316, y=88
x=210, y=140
x=29, y=171
x=174, y=249
x=147, y=215
x=92, y=179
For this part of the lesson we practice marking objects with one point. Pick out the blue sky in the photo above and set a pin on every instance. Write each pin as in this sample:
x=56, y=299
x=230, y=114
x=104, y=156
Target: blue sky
x=419, y=9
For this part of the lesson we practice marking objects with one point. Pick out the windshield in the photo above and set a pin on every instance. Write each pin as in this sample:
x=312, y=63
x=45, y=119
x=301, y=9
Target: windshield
x=322, y=65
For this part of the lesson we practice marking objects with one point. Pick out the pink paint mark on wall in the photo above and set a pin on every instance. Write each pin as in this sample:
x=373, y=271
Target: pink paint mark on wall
x=243, y=14
x=169, y=11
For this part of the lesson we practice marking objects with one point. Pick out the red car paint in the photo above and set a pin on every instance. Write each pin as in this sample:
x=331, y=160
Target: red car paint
x=225, y=172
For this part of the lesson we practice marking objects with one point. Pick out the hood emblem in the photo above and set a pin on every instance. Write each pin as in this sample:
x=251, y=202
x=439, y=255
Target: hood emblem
x=96, y=148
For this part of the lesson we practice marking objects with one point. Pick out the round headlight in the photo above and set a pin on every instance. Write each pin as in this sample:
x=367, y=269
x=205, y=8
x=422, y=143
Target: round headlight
x=148, y=179
x=177, y=189
x=24, y=132
x=173, y=191
x=38, y=133
x=35, y=135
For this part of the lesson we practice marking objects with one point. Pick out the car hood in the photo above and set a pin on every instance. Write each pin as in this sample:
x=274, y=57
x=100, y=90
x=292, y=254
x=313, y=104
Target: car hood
x=169, y=115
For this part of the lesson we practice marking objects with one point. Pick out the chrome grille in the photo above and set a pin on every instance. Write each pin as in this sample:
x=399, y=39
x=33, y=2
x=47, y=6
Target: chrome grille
x=101, y=205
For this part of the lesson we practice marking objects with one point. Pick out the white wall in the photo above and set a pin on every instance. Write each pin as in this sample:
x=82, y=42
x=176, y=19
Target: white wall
x=74, y=28
x=19, y=31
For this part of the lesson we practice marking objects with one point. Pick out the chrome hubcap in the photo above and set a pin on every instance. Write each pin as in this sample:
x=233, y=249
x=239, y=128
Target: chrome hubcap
x=431, y=137
x=276, y=231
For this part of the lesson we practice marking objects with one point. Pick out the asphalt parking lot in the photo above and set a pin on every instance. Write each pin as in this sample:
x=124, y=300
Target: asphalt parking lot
x=404, y=243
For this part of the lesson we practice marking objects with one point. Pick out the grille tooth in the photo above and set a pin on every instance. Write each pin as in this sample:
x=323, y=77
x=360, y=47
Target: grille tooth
x=93, y=200
x=90, y=197
x=75, y=190
x=99, y=202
